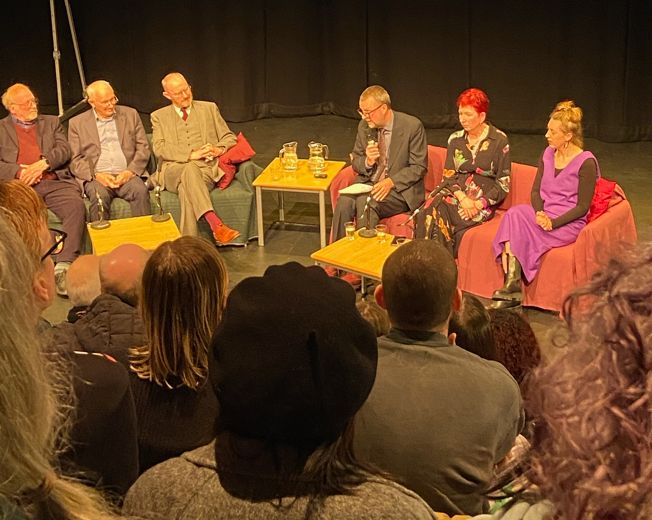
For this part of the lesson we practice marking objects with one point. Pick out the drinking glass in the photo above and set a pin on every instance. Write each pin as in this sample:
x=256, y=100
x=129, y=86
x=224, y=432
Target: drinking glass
x=381, y=230
x=350, y=230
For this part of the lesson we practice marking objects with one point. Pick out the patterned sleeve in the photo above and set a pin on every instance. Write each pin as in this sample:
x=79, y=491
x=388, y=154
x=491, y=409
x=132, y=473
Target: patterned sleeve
x=502, y=166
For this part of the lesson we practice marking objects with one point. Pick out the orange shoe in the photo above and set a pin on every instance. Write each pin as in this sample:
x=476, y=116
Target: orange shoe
x=331, y=271
x=224, y=234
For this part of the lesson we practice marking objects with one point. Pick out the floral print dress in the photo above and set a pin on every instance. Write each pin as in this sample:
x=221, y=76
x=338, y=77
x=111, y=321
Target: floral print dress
x=482, y=172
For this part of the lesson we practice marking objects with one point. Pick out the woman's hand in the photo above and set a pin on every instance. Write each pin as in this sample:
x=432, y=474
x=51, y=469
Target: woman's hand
x=543, y=221
x=468, y=208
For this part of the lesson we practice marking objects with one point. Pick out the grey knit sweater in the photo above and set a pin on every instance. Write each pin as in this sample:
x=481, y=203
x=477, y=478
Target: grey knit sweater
x=189, y=487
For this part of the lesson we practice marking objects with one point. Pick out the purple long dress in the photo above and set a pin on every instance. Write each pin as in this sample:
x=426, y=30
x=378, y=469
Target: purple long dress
x=559, y=194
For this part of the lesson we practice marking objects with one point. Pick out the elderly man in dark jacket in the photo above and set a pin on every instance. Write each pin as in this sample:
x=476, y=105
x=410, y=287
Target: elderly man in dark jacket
x=112, y=324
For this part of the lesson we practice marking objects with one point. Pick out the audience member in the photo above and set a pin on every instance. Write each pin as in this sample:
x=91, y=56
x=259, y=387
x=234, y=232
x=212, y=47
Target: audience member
x=188, y=138
x=397, y=178
x=103, y=447
x=438, y=417
x=182, y=297
x=472, y=328
x=34, y=150
x=374, y=314
x=516, y=345
x=112, y=324
x=83, y=283
x=290, y=378
x=109, y=152
x=32, y=399
x=590, y=455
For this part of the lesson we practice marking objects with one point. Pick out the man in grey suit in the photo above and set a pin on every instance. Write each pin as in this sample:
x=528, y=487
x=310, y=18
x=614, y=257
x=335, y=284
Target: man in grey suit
x=109, y=152
x=34, y=150
x=188, y=138
x=391, y=153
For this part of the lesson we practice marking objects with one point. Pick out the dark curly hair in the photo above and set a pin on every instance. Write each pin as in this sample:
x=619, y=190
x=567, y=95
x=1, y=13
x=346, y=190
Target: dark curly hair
x=516, y=346
x=592, y=448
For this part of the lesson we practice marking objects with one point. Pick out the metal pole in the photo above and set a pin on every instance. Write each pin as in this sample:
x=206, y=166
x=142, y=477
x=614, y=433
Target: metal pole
x=73, y=34
x=56, y=54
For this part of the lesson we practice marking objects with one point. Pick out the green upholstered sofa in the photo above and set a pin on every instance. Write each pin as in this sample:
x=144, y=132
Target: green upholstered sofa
x=235, y=205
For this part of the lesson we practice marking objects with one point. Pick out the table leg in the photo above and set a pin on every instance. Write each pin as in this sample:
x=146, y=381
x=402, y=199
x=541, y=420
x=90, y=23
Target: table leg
x=259, y=216
x=322, y=219
x=281, y=207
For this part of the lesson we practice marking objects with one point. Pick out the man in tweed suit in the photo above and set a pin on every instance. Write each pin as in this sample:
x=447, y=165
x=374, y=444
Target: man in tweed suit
x=188, y=138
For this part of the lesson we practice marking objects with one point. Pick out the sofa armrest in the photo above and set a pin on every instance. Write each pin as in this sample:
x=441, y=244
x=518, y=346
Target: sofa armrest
x=247, y=172
x=602, y=239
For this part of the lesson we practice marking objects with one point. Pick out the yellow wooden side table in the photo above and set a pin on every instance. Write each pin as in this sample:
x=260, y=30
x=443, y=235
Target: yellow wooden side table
x=142, y=231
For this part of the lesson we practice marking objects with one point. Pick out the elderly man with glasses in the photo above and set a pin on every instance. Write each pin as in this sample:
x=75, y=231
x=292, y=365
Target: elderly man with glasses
x=110, y=152
x=34, y=150
x=391, y=154
x=188, y=138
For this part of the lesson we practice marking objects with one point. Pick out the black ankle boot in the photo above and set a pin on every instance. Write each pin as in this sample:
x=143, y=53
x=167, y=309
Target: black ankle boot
x=512, y=288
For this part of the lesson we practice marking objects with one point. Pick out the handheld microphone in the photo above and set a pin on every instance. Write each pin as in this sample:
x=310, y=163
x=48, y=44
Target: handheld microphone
x=372, y=135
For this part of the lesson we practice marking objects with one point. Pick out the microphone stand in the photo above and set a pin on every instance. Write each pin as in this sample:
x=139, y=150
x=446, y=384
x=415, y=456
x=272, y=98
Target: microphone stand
x=440, y=189
x=100, y=223
x=367, y=231
x=160, y=216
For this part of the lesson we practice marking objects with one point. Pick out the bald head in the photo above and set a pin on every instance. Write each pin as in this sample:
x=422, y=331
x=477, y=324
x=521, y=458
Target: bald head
x=121, y=271
x=177, y=90
x=83, y=280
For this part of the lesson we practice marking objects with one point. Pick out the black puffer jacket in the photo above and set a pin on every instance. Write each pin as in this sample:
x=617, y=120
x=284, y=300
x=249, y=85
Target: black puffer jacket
x=110, y=326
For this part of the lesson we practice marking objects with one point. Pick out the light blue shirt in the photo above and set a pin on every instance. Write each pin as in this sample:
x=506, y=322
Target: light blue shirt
x=112, y=158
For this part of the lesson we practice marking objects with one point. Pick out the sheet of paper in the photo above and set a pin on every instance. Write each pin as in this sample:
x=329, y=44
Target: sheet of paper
x=356, y=189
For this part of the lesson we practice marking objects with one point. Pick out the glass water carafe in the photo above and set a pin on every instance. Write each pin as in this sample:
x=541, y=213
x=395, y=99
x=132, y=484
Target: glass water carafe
x=288, y=156
x=318, y=153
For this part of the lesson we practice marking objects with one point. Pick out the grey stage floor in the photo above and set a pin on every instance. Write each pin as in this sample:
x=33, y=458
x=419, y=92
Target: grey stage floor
x=627, y=163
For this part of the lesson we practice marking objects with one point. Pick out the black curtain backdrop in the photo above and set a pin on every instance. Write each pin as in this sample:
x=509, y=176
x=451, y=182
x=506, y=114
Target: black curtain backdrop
x=275, y=58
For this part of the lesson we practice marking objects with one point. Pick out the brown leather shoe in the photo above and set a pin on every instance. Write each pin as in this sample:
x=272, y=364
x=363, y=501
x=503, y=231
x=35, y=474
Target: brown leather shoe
x=224, y=234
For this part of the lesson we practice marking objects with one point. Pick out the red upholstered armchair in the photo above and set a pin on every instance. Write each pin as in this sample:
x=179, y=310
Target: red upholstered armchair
x=436, y=158
x=562, y=268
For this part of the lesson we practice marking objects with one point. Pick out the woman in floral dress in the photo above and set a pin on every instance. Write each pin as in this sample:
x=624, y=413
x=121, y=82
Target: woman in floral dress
x=476, y=174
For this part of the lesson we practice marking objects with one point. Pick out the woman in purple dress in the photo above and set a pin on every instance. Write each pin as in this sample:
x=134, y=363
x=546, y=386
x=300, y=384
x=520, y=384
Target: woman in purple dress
x=561, y=197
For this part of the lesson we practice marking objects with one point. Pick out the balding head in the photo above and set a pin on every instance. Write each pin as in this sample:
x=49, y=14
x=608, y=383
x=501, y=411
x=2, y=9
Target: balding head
x=83, y=280
x=20, y=101
x=98, y=88
x=177, y=90
x=121, y=271
x=102, y=98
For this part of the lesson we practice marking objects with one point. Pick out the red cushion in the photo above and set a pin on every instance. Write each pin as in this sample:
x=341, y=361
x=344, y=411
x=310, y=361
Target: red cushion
x=241, y=152
x=604, y=189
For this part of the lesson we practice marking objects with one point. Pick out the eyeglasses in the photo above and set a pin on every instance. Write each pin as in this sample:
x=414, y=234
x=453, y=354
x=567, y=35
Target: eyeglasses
x=59, y=238
x=181, y=93
x=33, y=101
x=367, y=113
x=106, y=103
